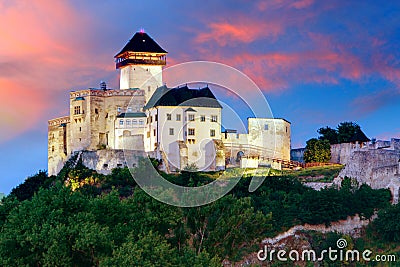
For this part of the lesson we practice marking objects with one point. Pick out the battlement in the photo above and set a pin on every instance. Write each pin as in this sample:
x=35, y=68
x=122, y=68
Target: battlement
x=105, y=93
x=59, y=121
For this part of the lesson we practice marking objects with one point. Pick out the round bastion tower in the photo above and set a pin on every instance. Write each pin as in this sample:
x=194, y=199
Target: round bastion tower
x=140, y=63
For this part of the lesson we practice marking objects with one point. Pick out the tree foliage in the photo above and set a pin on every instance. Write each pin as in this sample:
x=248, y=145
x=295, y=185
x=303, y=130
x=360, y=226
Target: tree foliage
x=342, y=134
x=317, y=151
x=346, y=130
x=327, y=133
x=388, y=223
x=99, y=224
x=31, y=185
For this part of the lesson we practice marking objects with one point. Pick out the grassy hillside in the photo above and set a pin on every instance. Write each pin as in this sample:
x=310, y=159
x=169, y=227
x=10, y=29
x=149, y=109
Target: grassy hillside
x=316, y=174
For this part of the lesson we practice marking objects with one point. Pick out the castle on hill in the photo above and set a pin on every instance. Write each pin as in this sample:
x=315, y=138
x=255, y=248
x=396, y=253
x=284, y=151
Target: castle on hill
x=179, y=126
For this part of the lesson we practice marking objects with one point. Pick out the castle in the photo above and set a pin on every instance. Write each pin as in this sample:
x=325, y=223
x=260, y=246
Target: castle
x=179, y=126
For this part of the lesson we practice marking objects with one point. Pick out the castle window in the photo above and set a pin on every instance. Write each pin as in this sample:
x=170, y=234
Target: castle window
x=192, y=141
x=52, y=149
x=286, y=129
x=212, y=132
x=119, y=109
x=168, y=117
x=214, y=118
x=80, y=129
x=171, y=131
x=121, y=122
x=148, y=88
x=134, y=122
x=266, y=127
x=128, y=122
x=191, y=117
x=151, y=119
x=141, y=122
x=96, y=111
x=202, y=118
x=148, y=134
x=77, y=110
x=154, y=132
x=191, y=131
x=129, y=109
x=178, y=117
x=156, y=117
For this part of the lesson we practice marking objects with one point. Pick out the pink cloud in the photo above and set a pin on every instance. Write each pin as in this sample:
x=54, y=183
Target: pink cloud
x=277, y=70
x=242, y=30
x=280, y=4
x=302, y=4
x=45, y=49
x=371, y=102
x=321, y=58
x=20, y=109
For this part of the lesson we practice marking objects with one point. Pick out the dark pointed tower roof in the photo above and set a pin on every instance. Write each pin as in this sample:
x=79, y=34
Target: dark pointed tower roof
x=142, y=42
x=185, y=96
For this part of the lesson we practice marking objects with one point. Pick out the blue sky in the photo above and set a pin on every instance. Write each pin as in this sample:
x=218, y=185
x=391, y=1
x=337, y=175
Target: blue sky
x=318, y=63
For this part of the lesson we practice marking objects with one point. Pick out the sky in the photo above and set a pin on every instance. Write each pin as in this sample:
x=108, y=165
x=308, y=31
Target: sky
x=318, y=63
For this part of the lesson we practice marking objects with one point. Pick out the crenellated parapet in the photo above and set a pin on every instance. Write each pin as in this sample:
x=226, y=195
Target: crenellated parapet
x=59, y=121
x=105, y=93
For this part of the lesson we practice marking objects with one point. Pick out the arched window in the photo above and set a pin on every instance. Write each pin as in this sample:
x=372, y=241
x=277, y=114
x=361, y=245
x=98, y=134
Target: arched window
x=239, y=156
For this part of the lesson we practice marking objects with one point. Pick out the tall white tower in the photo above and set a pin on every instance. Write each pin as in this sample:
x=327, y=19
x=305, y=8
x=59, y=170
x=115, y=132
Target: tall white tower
x=141, y=62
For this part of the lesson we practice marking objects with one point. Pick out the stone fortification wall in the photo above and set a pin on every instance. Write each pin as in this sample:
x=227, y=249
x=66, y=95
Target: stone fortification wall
x=103, y=161
x=58, y=137
x=395, y=144
x=340, y=153
x=378, y=168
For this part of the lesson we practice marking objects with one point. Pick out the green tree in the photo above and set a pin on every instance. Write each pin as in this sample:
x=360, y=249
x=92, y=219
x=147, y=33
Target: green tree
x=387, y=224
x=150, y=250
x=346, y=130
x=227, y=227
x=317, y=151
x=54, y=228
x=31, y=185
x=327, y=133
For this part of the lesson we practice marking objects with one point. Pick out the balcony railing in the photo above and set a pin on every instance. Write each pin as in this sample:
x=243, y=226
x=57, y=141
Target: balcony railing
x=136, y=61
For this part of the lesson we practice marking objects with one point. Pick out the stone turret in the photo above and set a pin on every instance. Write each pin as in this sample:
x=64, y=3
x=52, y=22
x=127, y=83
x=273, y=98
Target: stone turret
x=140, y=63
